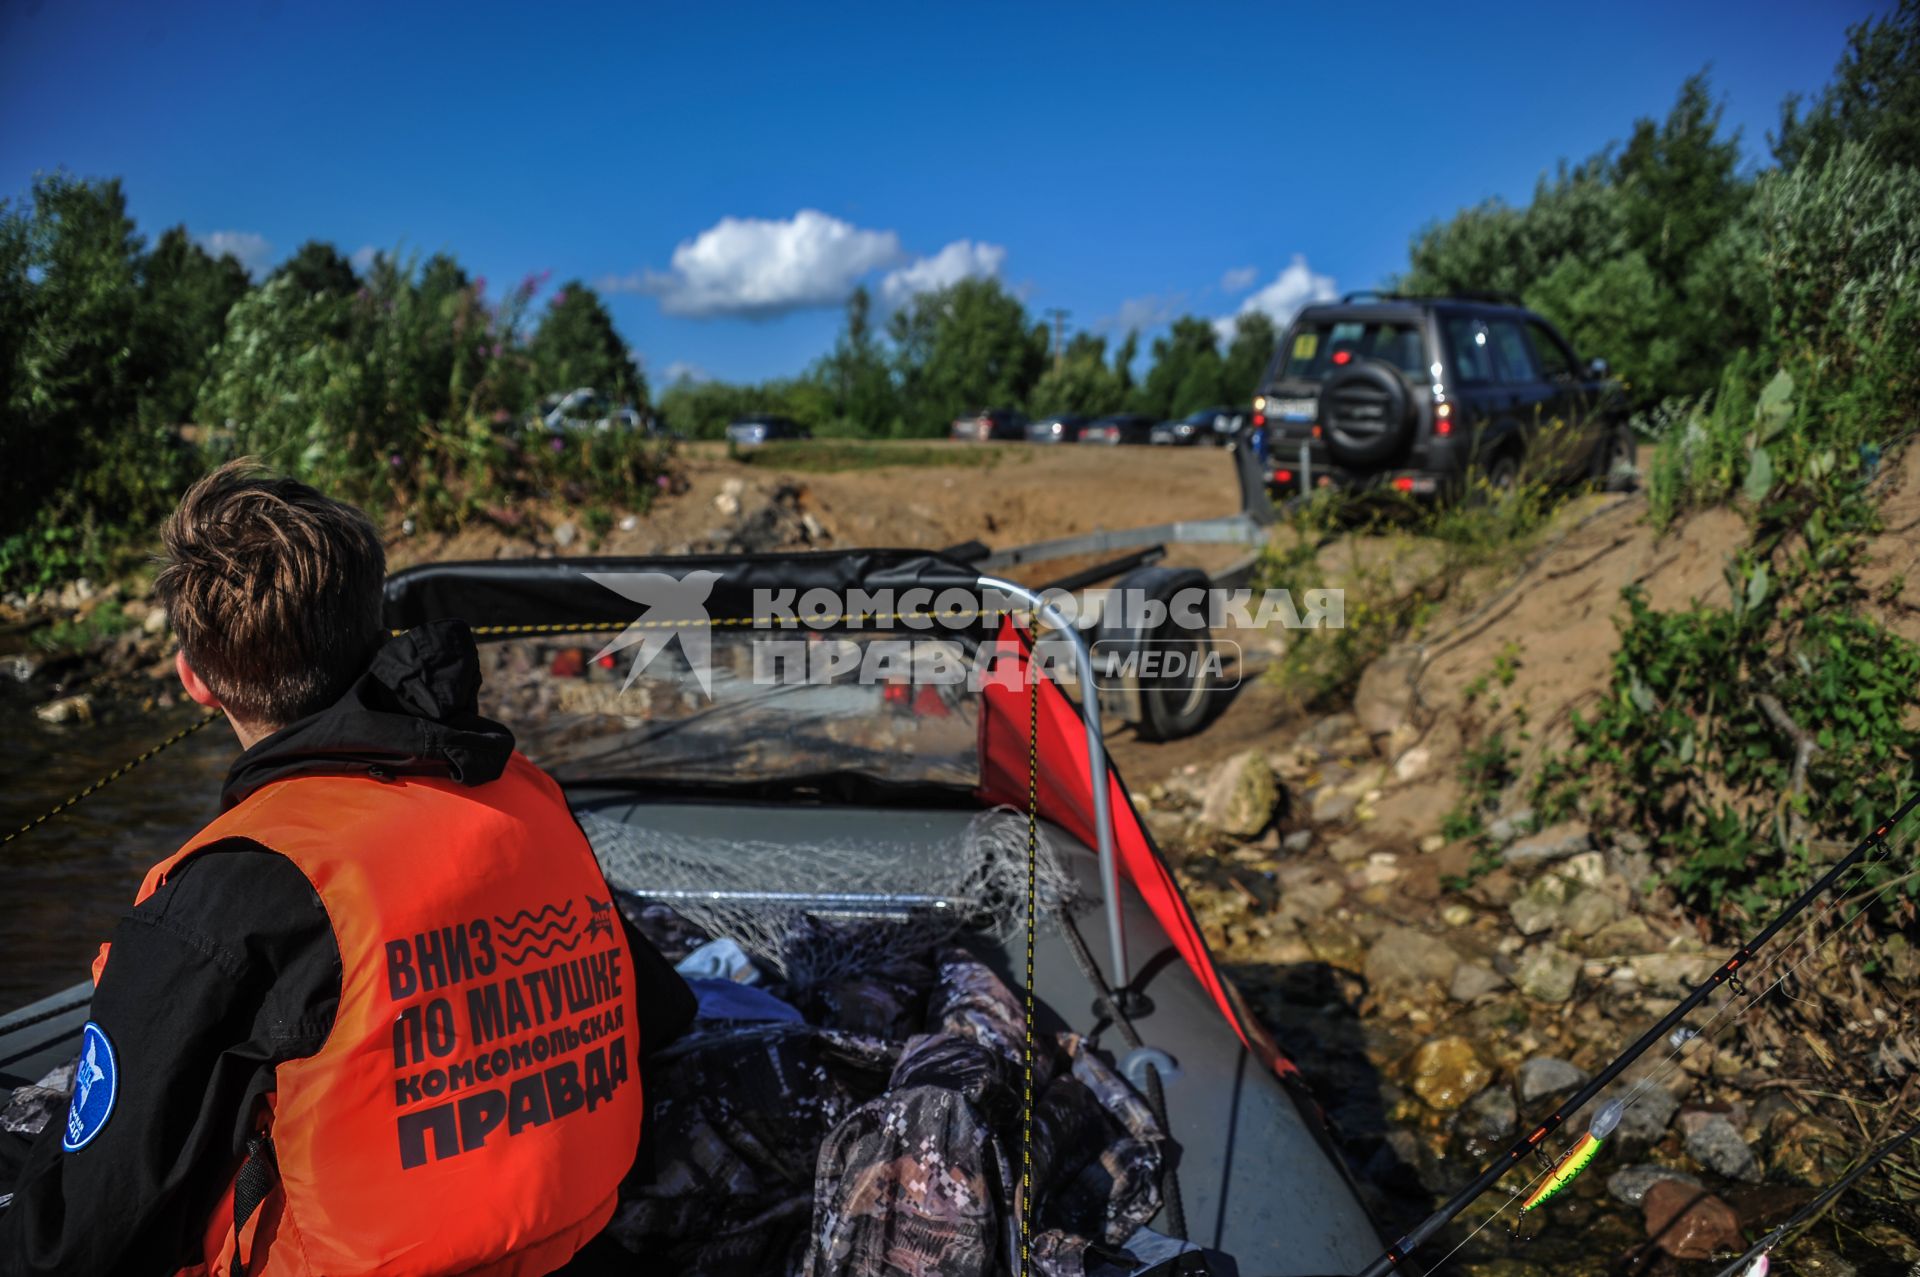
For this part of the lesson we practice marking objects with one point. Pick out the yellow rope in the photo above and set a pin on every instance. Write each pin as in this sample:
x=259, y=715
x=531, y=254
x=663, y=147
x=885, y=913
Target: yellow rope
x=722, y=622
x=1033, y=839
x=110, y=777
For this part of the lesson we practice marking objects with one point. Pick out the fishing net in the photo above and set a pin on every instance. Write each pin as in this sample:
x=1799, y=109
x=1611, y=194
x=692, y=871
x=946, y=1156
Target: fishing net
x=817, y=911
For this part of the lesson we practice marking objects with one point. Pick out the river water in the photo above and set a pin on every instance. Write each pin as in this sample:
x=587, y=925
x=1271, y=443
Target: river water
x=67, y=881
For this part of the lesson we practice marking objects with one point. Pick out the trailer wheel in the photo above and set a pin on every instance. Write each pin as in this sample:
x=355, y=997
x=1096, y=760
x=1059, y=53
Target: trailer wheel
x=1179, y=705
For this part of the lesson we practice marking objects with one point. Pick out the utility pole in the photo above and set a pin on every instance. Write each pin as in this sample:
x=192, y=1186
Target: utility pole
x=1059, y=337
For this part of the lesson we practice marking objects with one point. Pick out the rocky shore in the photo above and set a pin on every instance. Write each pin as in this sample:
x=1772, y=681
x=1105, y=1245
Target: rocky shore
x=1439, y=997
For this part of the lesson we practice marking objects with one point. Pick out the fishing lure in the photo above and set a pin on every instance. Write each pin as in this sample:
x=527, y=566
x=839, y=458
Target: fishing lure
x=1579, y=1155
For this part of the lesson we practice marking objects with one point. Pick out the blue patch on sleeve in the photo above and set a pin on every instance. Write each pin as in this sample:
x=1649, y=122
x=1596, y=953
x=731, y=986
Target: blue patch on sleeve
x=96, y=1081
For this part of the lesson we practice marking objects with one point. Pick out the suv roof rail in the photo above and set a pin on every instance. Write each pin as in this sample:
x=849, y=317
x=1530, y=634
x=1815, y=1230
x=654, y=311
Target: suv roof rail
x=1462, y=295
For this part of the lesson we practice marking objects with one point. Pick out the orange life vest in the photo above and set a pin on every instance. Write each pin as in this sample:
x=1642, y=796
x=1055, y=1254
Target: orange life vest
x=478, y=1099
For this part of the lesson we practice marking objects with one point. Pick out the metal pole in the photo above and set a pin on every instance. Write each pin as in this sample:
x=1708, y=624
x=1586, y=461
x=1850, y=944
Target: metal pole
x=1306, y=470
x=1096, y=769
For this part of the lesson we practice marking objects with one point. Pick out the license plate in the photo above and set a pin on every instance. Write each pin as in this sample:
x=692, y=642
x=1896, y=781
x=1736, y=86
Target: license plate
x=1294, y=409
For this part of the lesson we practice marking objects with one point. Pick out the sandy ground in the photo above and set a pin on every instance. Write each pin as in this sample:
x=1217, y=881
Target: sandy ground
x=1016, y=494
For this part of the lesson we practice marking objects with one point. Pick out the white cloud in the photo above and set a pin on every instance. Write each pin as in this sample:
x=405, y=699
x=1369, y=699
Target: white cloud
x=363, y=257
x=680, y=370
x=1292, y=288
x=759, y=266
x=962, y=259
x=1239, y=279
x=252, y=251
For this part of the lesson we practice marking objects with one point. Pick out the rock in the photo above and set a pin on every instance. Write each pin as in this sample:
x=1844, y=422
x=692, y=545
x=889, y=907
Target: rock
x=1812, y=1151
x=1348, y=848
x=1329, y=805
x=68, y=709
x=1556, y=842
x=629, y=522
x=1413, y=764
x=1504, y=829
x=1630, y=1184
x=156, y=621
x=1538, y=908
x=1548, y=974
x=1297, y=841
x=1333, y=730
x=1588, y=912
x=1241, y=797
x=1447, y=1073
x=1456, y=914
x=21, y=667
x=1471, y=982
x=565, y=534
x=1716, y=1145
x=1498, y=888
x=1689, y=1222
x=1647, y=1117
x=1671, y=972
x=1491, y=1114
x=1403, y=956
x=1384, y=699
x=1627, y=935
x=728, y=500
x=1431, y=843
x=1543, y=1075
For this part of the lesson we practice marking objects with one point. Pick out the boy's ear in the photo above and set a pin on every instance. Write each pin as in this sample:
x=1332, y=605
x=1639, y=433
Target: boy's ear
x=196, y=687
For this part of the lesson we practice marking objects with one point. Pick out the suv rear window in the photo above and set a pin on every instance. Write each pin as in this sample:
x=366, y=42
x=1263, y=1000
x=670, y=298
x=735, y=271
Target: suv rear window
x=1317, y=347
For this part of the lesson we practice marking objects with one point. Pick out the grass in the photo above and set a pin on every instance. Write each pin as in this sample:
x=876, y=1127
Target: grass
x=828, y=456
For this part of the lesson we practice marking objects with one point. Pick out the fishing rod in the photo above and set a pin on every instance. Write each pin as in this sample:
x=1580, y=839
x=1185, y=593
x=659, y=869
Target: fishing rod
x=1725, y=973
x=1757, y=1255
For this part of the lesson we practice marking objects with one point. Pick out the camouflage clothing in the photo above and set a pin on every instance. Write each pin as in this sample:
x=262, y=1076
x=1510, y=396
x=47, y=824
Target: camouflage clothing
x=803, y=1150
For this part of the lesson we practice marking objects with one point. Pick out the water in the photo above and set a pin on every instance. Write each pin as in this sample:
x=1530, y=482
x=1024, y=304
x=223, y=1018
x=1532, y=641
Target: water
x=69, y=880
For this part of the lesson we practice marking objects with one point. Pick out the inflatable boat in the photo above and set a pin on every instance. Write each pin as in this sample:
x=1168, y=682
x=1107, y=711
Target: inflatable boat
x=825, y=731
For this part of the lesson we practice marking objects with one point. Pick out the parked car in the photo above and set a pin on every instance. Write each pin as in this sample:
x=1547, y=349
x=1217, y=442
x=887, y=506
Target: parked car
x=1064, y=429
x=1415, y=394
x=990, y=423
x=1121, y=427
x=1209, y=425
x=751, y=432
x=587, y=409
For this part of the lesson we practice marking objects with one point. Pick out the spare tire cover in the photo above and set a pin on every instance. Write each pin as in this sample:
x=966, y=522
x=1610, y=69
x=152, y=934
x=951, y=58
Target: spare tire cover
x=1366, y=413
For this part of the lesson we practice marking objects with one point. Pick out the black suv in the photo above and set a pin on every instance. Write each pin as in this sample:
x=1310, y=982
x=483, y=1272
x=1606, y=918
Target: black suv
x=1414, y=393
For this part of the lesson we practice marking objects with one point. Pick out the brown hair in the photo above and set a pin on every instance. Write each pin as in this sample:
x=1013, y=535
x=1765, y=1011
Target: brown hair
x=275, y=591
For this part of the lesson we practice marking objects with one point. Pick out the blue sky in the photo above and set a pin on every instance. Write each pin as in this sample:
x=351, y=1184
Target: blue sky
x=727, y=172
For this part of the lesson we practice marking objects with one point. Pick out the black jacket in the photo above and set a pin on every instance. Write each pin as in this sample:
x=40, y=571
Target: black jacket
x=232, y=967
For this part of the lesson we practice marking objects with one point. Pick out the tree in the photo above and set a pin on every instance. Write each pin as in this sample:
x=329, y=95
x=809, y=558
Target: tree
x=1873, y=99
x=1254, y=339
x=317, y=267
x=1082, y=385
x=856, y=377
x=184, y=296
x=576, y=344
x=74, y=290
x=961, y=348
x=1624, y=251
x=1186, y=371
x=1123, y=357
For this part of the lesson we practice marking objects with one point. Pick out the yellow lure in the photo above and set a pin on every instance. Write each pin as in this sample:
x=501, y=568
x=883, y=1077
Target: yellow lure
x=1578, y=1157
